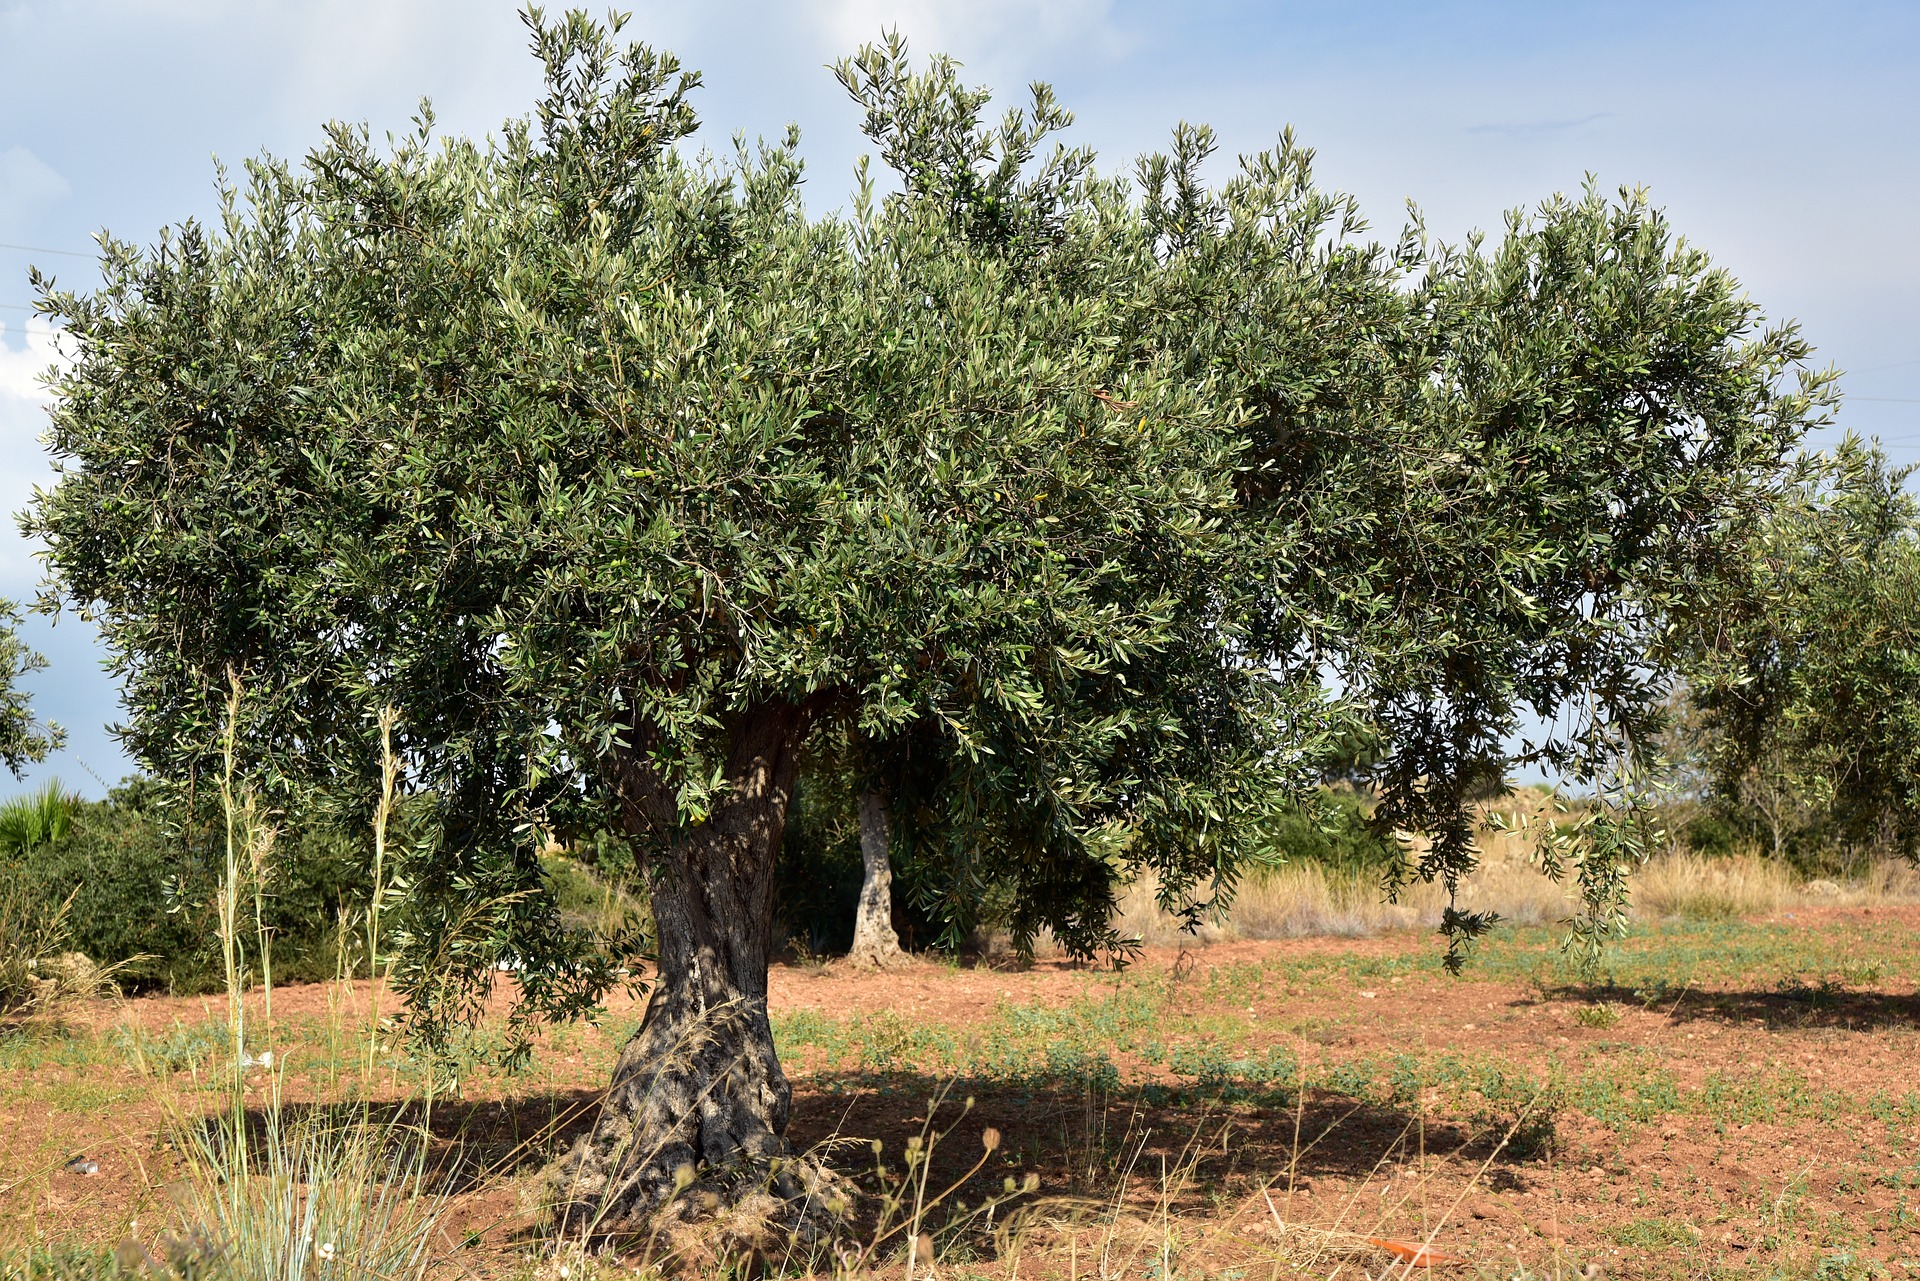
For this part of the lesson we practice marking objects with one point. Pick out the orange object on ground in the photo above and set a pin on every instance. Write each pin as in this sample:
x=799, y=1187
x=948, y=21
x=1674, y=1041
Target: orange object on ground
x=1420, y=1256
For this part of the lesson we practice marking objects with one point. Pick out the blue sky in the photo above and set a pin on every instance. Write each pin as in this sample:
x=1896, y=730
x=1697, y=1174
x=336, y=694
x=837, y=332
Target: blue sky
x=1784, y=138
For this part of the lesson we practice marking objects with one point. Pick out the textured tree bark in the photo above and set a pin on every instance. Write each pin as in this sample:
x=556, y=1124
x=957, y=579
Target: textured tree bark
x=693, y=1123
x=875, y=943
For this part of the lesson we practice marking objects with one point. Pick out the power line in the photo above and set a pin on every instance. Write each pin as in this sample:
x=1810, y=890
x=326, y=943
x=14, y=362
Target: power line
x=42, y=249
x=1888, y=400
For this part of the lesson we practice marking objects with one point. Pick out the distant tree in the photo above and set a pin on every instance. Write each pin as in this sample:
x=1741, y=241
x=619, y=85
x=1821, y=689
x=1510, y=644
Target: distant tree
x=624, y=479
x=23, y=739
x=1804, y=666
x=875, y=941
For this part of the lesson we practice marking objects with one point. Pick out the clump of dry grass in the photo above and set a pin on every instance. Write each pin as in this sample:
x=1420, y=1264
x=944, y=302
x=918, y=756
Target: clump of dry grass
x=39, y=977
x=1882, y=881
x=1302, y=899
x=1135, y=1218
x=1306, y=899
x=305, y=1200
x=1687, y=885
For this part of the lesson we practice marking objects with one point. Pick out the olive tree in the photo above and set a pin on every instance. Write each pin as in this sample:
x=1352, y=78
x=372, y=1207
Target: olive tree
x=1803, y=666
x=621, y=477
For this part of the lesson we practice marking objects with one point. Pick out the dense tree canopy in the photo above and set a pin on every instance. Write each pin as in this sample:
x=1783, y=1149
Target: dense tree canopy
x=619, y=473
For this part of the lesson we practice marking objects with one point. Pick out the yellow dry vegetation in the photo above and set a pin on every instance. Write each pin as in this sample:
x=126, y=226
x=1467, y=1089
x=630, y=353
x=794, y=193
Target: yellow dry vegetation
x=1305, y=899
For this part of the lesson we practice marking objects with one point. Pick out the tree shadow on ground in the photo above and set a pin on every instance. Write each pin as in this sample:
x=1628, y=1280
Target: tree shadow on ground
x=1789, y=1006
x=1176, y=1150
x=1180, y=1146
x=472, y=1143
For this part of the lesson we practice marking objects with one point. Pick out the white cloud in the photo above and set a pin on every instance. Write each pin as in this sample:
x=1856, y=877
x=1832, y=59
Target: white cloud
x=996, y=34
x=27, y=185
x=351, y=58
x=21, y=367
x=23, y=462
x=297, y=63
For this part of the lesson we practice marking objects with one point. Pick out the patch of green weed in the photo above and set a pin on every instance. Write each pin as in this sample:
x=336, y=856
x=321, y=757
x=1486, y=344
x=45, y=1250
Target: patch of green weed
x=1654, y=1234
x=59, y=1261
x=1629, y=1093
x=181, y=1047
x=1219, y=1072
x=1603, y=1015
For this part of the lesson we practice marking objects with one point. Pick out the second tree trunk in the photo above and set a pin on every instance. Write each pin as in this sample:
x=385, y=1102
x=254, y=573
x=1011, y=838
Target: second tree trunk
x=874, y=941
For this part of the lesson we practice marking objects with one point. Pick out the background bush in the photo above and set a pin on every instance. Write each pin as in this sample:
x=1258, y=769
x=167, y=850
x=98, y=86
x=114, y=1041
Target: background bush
x=597, y=885
x=1334, y=834
x=144, y=885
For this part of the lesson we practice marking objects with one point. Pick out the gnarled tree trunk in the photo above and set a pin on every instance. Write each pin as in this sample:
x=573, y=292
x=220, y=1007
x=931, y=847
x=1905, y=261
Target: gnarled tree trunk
x=693, y=1122
x=874, y=941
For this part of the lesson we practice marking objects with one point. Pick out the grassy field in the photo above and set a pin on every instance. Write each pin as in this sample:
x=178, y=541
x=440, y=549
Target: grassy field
x=1732, y=1096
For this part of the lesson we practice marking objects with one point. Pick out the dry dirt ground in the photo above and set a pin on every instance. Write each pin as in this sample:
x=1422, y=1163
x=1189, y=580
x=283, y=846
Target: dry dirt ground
x=1727, y=1098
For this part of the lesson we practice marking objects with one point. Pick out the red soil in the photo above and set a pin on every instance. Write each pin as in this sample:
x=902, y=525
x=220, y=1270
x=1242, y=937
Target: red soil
x=1681, y=1194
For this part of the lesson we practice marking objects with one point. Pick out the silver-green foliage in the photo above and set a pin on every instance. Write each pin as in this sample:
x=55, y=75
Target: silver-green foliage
x=582, y=450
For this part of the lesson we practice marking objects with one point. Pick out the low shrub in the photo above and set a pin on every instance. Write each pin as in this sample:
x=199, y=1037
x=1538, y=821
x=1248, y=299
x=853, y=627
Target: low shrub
x=34, y=968
x=41, y=976
x=142, y=885
x=1334, y=833
x=1603, y=1015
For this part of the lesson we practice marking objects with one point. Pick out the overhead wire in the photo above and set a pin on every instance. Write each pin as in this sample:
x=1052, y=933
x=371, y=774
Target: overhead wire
x=39, y=249
x=42, y=249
